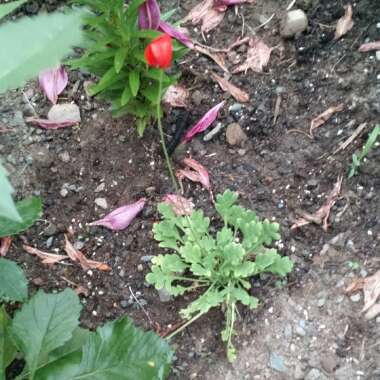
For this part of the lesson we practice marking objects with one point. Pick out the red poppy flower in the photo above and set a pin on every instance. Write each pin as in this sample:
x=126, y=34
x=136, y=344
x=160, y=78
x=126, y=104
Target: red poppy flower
x=159, y=53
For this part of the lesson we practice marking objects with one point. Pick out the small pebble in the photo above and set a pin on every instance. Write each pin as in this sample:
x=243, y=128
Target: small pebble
x=100, y=188
x=276, y=362
x=64, y=157
x=102, y=203
x=209, y=136
x=293, y=23
x=300, y=331
x=236, y=107
x=140, y=267
x=355, y=297
x=64, y=193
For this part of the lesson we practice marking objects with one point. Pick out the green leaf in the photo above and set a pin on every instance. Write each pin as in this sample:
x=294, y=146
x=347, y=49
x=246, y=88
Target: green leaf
x=109, y=78
x=7, y=206
x=224, y=203
x=126, y=95
x=242, y=295
x=5, y=9
x=45, y=323
x=271, y=261
x=13, y=284
x=117, y=351
x=120, y=56
x=54, y=35
x=7, y=347
x=134, y=82
x=29, y=209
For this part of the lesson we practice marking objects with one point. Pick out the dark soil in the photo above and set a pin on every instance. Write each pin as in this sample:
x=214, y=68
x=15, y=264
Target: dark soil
x=277, y=172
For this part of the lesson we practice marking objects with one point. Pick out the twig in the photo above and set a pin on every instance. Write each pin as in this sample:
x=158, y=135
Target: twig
x=277, y=109
x=29, y=104
x=290, y=6
x=299, y=131
x=264, y=23
x=142, y=308
x=356, y=133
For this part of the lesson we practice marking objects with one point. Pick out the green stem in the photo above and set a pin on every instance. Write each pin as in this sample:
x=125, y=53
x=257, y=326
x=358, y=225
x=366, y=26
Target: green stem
x=190, y=321
x=162, y=138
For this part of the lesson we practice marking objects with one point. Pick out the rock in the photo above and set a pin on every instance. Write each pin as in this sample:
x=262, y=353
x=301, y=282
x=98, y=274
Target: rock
x=146, y=258
x=64, y=112
x=276, y=362
x=197, y=97
x=41, y=156
x=329, y=362
x=124, y=304
x=140, y=267
x=235, y=134
x=378, y=55
x=102, y=203
x=236, y=107
x=315, y=374
x=49, y=242
x=293, y=23
x=346, y=372
x=100, y=188
x=300, y=331
x=51, y=229
x=242, y=152
x=299, y=374
x=64, y=192
x=64, y=157
x=355, y=297
x=164, y=295
x=209, y=136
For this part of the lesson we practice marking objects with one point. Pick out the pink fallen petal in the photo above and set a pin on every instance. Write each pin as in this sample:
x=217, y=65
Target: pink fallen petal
x=46, y=257
x=201, y=170
x=176, y=33
x=345, y=23
x=199, y=11
x=177, y=96
x=149, y=15
x=258, y=55
x=53, y=82
x=211, y=20
x=122, y=217
x=60, y=116
x=370, y=46
x=5, y=244
x=179, y=204
x=204, y=122
x=197, y=173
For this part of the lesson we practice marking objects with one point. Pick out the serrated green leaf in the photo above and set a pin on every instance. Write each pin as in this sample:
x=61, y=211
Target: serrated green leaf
x=241, y=295
x=120, y=56
x=13, y=284
x=29, y=209
x=282, y=266
x=45, y=323
x=20, y=61
x=134, y=82
x=7, y=348
x=5, y=9
x=191, y=253
x=224, y=202
x=117, y=351
x=7, y=206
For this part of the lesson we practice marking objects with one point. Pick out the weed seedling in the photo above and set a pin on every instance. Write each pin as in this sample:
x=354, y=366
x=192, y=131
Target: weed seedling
x=221, y=266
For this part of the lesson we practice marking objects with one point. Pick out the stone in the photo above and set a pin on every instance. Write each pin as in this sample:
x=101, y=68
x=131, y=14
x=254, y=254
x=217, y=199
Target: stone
x=100, y=188
x=209, y=136
x=315, y=374
x=299, y=374
x=329, y=362
x=51, y=230
x=293, y=23
x=235, y=134
x=64, y=112
x=300, y=331
x=164, y=295
x=64, y=157
x=140, y=267
x=378, y=55
x=276, y=362
x=64, y=192
x=102, y=203
x=236, y=107
x=355, y=297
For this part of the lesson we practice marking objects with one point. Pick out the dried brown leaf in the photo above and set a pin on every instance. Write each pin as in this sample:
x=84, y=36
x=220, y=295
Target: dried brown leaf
x=236, y=92
x=371, y=290
x=323, y=117
x=86, y=264
x=258, y=55
x=345, y=23
x=5, y=244
x=321, y=216
x=370, y=46
x=47, y=258
x=199, y=11
x=216, y=57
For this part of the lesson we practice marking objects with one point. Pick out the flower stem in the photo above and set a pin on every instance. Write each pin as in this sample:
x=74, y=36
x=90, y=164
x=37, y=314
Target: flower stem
x=190, y=321
x=162, y=137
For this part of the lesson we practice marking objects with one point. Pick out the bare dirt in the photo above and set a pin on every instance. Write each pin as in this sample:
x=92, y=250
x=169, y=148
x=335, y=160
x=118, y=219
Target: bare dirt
x=306, y=327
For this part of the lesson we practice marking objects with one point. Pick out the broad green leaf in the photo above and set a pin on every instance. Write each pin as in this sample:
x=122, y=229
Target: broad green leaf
x=7, y=206
x=5, y=9
x=22, y=57
x=30, y=210
x=117, y=351
x=120, y=56
x=7, y=347
x=134, y=82
x=109, y=78
x=45, y=323
x=13, y=284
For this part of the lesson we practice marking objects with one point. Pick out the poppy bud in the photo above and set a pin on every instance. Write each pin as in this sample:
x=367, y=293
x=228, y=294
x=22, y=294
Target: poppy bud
x=159, y=53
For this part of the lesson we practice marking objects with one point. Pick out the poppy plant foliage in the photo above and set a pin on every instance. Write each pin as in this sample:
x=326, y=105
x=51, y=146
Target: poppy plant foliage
x=120, y=41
